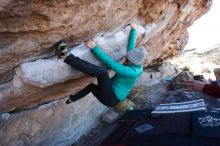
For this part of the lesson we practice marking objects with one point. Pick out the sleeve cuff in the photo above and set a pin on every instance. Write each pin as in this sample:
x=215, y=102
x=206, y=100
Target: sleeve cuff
x=211, y=90
x=206, y=88
x=95, y=48
x=133, y=29
x=69, y=58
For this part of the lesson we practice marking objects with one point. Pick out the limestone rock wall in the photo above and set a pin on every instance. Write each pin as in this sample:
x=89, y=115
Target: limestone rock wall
x=31, y=76
x=52, y=124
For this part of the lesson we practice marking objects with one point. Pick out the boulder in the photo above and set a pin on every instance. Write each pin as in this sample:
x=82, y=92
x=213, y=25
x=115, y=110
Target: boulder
x=33, y=82
x=163, y=33
x=157, y=73
x=54, y=123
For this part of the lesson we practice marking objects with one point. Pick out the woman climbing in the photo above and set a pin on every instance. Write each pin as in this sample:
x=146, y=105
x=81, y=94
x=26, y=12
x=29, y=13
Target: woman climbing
x=108, y=91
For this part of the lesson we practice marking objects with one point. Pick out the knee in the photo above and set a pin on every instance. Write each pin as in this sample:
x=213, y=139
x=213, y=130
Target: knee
x=91, y=86
x=103, y=72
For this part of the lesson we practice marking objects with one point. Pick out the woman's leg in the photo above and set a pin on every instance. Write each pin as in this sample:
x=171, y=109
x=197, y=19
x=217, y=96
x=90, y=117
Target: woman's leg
x=83, y=92
x=103, y=91
x=106, y=94
x=105, y=97
x=83, y=66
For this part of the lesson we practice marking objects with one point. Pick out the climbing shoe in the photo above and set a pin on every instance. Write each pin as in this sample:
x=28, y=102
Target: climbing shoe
x=61, y=48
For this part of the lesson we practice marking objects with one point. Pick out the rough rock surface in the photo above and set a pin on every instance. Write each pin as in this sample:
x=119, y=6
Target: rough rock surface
x=157, y=73
x=46, y=72
x=54, y=123
x=30, y=75
x=163, y=34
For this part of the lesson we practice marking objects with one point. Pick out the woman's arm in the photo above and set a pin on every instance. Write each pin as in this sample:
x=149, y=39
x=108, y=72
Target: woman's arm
x=114, y=65
x=212, y=90
x=132, y=37
x=202, y=87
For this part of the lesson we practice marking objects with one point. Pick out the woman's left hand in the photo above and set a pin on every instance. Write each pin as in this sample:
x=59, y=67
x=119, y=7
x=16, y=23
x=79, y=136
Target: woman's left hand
x=90, y=44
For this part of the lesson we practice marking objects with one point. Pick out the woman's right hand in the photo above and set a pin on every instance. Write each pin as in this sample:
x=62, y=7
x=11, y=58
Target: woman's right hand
x=133, y=25
x=90, y=44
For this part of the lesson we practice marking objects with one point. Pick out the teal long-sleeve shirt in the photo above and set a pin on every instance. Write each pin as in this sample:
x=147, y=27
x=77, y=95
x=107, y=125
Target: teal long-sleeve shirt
x=126, y=75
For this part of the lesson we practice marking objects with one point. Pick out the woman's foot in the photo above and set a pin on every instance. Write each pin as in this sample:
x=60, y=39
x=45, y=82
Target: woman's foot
x=61, y=49
x=90, y=44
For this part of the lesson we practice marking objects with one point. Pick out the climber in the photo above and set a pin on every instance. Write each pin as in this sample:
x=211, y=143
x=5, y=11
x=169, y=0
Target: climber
x=108, y=91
